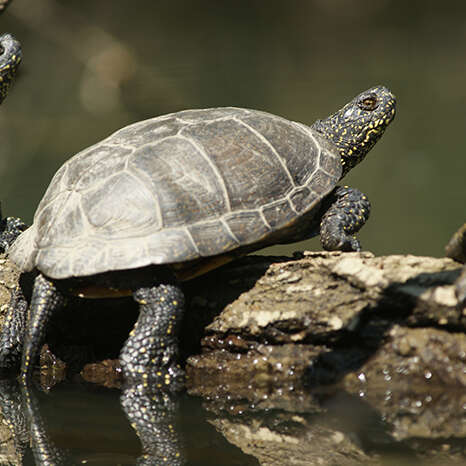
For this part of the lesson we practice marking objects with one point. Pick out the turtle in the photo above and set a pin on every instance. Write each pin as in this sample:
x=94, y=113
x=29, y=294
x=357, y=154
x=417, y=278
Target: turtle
x=456, y=249
x=10, y=58
x=167, y=199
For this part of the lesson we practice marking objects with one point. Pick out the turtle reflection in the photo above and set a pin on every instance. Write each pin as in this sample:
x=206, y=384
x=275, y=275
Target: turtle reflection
x=152, y=414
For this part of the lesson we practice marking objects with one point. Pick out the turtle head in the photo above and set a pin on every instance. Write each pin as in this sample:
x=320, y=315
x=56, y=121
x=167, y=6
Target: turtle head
x=359, y=124
x=10, y=58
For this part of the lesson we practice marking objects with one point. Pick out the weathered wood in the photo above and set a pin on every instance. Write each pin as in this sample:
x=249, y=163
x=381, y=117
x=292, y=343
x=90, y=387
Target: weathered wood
x=277, y=331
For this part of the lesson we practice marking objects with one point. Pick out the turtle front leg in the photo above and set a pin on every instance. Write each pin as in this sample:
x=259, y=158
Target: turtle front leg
x=10, y=229
x=46, y=299
x=150, y=354
x=348, y=211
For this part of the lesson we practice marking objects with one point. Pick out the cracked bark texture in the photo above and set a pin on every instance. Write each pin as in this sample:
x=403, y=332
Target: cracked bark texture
x=279, y=335
x=337, y=310
x=385, y=333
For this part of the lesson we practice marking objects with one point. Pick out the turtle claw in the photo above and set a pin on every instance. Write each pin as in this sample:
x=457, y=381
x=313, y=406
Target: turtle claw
x=354, y=245
x=346, y=244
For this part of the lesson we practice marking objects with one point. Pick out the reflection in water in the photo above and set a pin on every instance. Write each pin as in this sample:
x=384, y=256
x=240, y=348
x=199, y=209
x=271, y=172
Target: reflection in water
x=14, y=435
x=44, y=450
x=300, y=427
x=263, y=427
x=151, y=413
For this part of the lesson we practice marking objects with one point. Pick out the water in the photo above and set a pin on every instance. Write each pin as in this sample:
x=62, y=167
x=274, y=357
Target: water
x=90, y=68
x=83, y=424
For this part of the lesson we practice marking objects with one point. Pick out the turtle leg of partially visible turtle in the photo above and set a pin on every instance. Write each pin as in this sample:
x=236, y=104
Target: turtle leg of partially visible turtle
x=150, y=354
x=12, y=334
x=45, y=300
x=10, y=229
x=348, y=209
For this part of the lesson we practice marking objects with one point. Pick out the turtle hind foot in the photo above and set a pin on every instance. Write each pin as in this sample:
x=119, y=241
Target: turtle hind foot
x=348, y=211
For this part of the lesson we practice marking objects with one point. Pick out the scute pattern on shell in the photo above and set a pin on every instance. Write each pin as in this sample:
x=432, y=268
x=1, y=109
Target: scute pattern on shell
x=174, y=188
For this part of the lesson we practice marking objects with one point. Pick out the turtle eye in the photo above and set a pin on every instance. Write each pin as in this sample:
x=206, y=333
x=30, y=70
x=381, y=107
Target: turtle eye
x=368, y=103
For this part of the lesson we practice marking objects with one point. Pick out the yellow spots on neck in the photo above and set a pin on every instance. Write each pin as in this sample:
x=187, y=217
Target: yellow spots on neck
x=370, y=133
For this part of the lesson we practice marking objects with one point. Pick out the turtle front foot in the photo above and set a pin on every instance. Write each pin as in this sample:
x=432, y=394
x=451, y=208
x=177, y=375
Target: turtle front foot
x=10, y=229
x=348, y=212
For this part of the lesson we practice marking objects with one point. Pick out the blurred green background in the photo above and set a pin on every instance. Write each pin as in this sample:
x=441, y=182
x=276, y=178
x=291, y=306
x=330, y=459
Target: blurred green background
x=91, y=67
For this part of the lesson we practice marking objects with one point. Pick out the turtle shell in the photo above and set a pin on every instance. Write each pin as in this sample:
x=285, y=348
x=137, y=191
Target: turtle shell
x=188, y=185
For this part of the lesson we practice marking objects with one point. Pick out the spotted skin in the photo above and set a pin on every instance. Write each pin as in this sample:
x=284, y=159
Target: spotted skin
x=347, y=214
x=12, y=335
x=20, y=412
x=356, y=127
x=14, y=323
x=154, y=338
x=46, y=299
x=354, y=130
x=152, y=414
x=296, y=193
x=10, y=58
x=10, y=229
x=151, y=344
x=13, y=416
x=43, y=448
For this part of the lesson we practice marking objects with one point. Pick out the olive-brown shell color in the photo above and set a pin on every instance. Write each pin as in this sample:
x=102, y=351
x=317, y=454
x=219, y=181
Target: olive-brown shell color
x=192, y=184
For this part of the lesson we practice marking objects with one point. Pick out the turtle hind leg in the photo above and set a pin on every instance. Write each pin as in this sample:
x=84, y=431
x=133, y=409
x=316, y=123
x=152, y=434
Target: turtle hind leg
x=348, y=211
x=10, y=229
x=150, y=353
x=46, y=299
